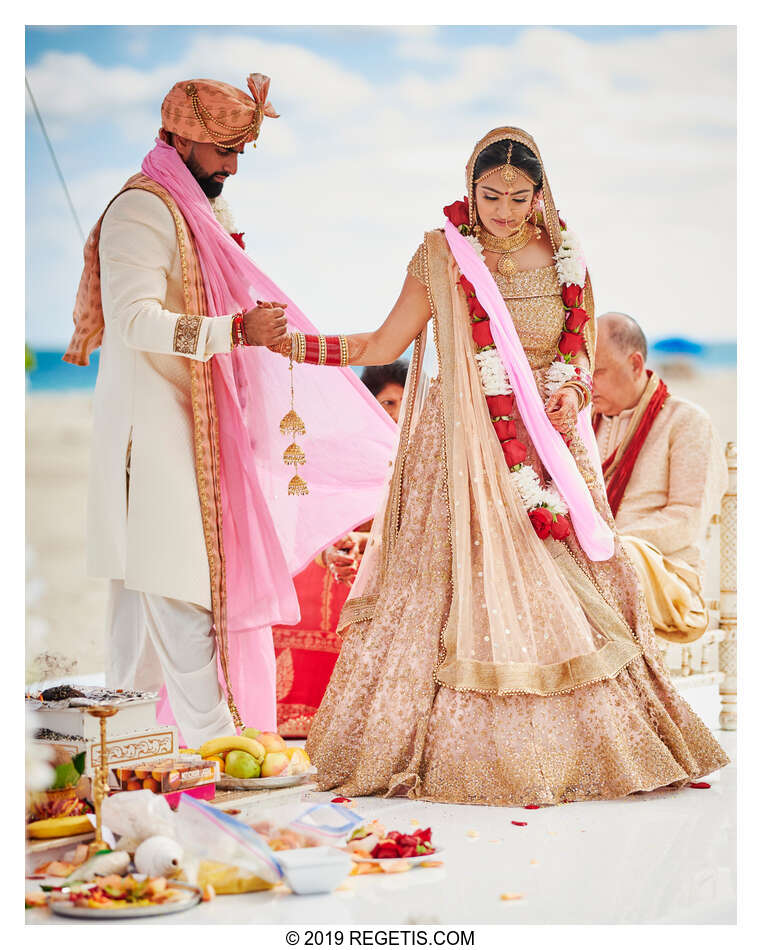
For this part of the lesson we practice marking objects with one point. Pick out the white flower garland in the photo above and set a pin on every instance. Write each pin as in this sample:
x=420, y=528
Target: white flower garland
x=494, y=378
x=570, y=261
x=557, y=375
x=223, y=214
x=493, y=375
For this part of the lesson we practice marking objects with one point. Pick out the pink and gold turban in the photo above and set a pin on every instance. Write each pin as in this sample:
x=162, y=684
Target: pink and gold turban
x=206, y=110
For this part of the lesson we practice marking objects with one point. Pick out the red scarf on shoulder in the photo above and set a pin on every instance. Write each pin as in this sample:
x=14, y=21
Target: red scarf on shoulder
x=618, y=467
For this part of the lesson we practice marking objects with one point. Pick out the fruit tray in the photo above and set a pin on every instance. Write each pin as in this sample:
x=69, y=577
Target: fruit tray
x=273, y=781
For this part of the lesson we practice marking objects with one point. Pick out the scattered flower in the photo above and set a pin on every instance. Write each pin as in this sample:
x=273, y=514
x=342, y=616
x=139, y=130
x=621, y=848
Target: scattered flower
x=520, y=824
x=700, y=785
x=511, y=897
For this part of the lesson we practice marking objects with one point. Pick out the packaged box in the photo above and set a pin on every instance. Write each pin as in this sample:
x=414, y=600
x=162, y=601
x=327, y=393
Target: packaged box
x=165, y=775
x=122, y=751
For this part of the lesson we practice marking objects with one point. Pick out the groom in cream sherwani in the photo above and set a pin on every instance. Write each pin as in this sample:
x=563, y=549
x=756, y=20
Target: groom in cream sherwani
x=145, y=531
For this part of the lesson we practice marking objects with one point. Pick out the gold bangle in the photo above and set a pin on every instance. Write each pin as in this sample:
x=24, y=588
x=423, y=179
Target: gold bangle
x=344, y=351
x=298, y=346
x=322, y=350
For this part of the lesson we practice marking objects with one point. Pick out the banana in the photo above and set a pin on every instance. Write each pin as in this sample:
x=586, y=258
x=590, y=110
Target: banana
x=225, y=744
x=59, y=827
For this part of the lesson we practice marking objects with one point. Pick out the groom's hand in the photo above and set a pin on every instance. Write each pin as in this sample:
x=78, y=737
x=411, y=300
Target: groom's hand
x=265, y=325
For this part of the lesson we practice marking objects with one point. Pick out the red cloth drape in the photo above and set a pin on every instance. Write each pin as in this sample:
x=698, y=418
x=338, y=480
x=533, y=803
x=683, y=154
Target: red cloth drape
x=305, y=654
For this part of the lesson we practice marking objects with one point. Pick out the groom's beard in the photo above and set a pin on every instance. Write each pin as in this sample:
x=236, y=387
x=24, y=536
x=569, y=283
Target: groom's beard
x=210, y=187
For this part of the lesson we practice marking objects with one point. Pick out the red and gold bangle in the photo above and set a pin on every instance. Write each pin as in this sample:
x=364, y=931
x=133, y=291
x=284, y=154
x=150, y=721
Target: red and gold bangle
x=238, y=331
x=319, y=350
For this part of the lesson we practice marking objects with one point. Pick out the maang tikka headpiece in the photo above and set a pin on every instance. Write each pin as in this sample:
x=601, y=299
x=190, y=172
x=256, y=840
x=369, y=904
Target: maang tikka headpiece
x=509, y=173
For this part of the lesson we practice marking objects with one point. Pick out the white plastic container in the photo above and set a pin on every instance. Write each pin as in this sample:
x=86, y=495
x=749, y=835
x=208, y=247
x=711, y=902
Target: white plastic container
x=314, y=870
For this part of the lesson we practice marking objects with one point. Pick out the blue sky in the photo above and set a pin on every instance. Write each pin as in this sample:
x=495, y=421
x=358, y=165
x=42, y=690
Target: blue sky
x=637, y=127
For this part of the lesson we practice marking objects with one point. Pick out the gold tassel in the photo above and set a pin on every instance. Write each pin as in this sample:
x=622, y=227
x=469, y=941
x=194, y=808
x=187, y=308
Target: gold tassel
x=291, y=422
x=298, y=486
x=294, y=454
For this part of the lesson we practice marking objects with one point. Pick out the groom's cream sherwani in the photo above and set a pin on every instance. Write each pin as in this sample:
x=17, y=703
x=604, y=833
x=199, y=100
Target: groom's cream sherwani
x=146, y=529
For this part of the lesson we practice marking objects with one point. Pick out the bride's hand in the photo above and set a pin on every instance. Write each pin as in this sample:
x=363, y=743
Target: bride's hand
x=562, y=409
x=283, y=348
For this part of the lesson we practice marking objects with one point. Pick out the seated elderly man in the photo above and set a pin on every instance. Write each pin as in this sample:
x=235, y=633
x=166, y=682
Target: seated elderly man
x=665, y=476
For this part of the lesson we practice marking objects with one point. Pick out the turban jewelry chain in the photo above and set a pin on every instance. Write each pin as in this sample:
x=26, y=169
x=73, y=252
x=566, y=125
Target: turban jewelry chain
x=239, y=134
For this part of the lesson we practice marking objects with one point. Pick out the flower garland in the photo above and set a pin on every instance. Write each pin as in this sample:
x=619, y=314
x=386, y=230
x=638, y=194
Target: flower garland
x=545, y=507
x=224, y=217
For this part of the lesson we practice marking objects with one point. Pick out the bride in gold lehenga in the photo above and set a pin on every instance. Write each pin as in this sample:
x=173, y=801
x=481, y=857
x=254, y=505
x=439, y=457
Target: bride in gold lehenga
x=481, y=663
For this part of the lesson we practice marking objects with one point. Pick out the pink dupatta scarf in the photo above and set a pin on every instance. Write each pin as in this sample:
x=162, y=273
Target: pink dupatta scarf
x=269, y=536
x=593, y=533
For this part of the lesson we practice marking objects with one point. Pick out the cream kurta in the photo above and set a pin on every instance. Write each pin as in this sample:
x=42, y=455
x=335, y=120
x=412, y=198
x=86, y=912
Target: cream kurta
x=142, y=410
x=677, y=482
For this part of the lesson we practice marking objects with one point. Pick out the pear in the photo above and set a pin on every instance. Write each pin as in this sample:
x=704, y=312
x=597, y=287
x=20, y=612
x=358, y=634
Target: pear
x=240, y=764
x=250, y=733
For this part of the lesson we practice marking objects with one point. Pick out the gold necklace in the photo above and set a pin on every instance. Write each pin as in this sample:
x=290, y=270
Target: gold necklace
x=506, y=245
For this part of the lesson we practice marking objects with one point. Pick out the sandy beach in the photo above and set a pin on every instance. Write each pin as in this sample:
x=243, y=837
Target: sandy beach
x=66, y=609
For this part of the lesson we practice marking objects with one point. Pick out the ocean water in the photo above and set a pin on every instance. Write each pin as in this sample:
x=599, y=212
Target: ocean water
x=51, y=373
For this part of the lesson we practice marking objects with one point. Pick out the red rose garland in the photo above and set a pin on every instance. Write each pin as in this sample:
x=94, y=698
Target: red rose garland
x=501, y=408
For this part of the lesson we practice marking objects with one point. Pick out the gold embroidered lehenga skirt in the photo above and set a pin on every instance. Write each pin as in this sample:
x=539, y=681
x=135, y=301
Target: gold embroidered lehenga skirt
x=388, y=725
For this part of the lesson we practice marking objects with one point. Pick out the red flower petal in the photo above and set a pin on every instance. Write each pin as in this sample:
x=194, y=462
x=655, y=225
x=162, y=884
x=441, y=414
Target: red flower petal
x=340, y=801
x=522, y=824
x=505, y=429
x=531, y=806
x=238, y=238
x=468, y=287
x=457, y=212
x=514, y=451
x=500, y=405
x=571, y=294
x=542, y=521
x=570, y=343
x=482, y=334
x=700, y=785
x=576, y=318
x=560, y=528
x=476, y=310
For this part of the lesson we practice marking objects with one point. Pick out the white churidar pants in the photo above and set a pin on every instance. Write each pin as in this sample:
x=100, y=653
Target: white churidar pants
x=155, y=641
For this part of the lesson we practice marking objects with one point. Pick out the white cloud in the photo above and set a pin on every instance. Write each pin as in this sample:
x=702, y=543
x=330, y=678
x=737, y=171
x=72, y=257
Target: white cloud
x=638, y=137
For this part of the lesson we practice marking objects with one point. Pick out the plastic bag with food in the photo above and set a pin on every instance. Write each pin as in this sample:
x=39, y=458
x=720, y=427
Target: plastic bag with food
x=323, y=824
x=209, y=835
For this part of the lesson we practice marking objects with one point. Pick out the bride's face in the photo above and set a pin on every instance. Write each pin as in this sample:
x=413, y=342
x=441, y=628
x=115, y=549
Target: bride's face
x=502, y=208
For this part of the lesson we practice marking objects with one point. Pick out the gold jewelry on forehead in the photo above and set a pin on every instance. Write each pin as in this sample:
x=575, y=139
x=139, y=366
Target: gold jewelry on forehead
x=238, y=134
x=509, y=173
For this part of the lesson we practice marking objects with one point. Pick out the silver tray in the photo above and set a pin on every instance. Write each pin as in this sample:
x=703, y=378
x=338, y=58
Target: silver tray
x=65, y=909
x=274, y=781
